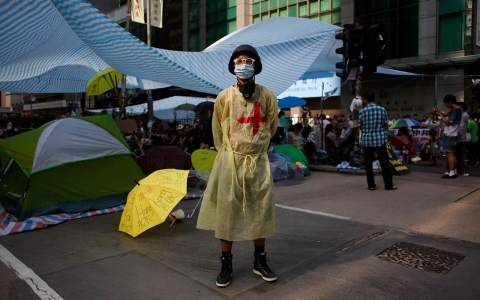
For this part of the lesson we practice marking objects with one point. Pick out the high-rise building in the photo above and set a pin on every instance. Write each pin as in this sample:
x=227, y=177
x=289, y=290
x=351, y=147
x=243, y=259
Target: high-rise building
x=433, y=38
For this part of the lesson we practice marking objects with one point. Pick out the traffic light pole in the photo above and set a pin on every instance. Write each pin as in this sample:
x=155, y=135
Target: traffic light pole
x=149, y=92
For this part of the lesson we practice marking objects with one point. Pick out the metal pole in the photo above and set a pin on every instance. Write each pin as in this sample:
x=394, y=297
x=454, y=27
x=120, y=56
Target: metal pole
x=121, y=98
x=31, y=105
x=149, y=92
x=321, y=120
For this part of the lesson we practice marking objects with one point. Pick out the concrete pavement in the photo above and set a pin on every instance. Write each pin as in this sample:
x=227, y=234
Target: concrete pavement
x=315, y=256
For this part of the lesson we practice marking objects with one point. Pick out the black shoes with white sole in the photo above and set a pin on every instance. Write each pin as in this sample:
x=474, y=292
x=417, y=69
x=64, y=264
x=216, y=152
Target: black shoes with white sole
x=260, y=267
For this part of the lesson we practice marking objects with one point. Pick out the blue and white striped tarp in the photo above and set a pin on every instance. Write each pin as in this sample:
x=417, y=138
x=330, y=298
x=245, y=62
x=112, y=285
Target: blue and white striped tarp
x=58, y=45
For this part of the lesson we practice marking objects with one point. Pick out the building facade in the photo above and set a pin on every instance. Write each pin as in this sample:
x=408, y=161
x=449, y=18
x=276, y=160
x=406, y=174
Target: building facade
x=437, y=39
x=432, y=38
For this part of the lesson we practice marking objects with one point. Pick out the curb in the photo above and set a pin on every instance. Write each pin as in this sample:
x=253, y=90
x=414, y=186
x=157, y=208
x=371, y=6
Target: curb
x=332, y=169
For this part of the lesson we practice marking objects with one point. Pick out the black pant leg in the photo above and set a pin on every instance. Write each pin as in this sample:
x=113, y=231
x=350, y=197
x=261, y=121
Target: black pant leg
x=369, y=152
x=382, y=155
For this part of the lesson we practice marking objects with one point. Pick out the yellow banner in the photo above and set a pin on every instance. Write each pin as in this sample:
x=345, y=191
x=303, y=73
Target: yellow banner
x=156, y=13
x=137, y=11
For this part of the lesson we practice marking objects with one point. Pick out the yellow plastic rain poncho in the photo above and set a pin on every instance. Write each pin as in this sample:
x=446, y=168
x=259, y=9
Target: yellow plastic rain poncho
x=238, y=203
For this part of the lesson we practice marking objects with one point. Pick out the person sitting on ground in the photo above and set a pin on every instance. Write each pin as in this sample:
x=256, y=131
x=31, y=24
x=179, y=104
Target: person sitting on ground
x=174, y=135
x=154, y=138
x=425, y=122
x=430, y=150
x=329, y=134
x=190, y=141
x=435, y=122
x=295, y=137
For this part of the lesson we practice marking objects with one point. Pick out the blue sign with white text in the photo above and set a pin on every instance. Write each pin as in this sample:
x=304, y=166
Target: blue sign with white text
x=310, y=85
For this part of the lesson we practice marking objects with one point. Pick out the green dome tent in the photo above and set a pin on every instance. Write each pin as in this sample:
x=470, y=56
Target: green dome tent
x=68, y=165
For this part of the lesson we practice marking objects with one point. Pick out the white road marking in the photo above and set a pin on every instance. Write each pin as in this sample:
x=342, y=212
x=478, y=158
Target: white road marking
x=312, y=212
x=38, y=286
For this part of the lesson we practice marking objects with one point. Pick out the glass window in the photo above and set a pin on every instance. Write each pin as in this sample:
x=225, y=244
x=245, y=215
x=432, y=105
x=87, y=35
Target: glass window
x=313, y=17
x=324, y=5
x=211, y=6
x=448, y=6
x=256, y=1
x=282, y=3
x=336, y=3
x=256, y=19
x=232, y=13
x=292, y=2
x=292, y=11
x=273, y=14
x=325, y=18
x=283, y=12
x=256, y=8
x=336, y=17
x=193, y=11
x=302, y=10
x=264, y=6
x=211, y=19
x=451, y=33
x=222, y=5
x=401, y=34
x=193, y=25
x=194, y=41
x=313, y=7
x=273, y=4
x=222, y=30
x=232, y=3
x=211, y=35
x=232, y=26
x=221, y=16
x=264, y=16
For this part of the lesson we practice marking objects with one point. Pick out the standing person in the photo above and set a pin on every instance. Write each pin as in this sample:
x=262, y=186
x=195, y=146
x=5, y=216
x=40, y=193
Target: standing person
x=238, y=203
x=462, y=140
x=472, y=146
x=452, y=121
x=373, y=121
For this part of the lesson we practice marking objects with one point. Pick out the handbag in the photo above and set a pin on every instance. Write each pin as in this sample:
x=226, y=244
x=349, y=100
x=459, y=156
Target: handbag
x=357, y=159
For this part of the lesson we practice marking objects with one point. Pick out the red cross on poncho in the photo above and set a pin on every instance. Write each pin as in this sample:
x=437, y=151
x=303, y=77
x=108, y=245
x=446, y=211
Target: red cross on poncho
x=256, y=119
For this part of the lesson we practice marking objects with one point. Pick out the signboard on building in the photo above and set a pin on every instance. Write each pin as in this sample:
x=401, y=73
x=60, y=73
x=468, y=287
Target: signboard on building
x=73, y=103
x=310, y=85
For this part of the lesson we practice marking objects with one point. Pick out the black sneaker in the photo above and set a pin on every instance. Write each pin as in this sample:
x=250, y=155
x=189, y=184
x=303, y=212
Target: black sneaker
x=261, y=268
x=223, y=279
x=449, y=177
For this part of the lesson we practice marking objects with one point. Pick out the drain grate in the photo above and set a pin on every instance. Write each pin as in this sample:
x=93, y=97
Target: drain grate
x=421, y=257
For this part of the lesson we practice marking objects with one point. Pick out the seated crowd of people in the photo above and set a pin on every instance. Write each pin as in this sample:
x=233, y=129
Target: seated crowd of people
x=306, y=135
x=189, y=137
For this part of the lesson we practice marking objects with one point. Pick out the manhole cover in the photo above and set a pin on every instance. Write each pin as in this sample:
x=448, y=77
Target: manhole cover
x=421, y=257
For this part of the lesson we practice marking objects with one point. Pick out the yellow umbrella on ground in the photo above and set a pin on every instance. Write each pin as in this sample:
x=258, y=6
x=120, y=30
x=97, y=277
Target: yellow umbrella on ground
x=203, y=159
x=104, y=81
x=151, y=201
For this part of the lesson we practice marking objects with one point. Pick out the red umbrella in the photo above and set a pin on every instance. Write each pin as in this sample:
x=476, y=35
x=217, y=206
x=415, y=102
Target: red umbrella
x=164, y=157
x=399, y=142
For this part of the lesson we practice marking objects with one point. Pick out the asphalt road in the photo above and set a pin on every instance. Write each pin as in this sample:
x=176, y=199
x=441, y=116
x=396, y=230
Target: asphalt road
x=330, y=229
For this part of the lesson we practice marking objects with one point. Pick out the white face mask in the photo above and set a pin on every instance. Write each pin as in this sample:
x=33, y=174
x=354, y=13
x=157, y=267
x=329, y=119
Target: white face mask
x=244, y=71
